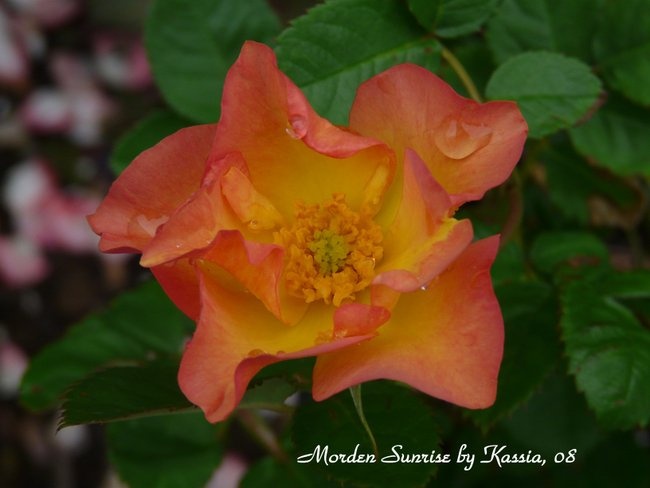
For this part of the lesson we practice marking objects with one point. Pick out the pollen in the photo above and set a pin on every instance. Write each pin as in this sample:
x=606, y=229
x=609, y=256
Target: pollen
x=330, y=251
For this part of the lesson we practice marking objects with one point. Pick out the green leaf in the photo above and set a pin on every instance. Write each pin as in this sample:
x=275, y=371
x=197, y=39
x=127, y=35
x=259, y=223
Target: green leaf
x=338, y=45
x=473, y=54
x=598, y=188
x=141, y=324
x=552, y=90
x=554, y=419
x=509, y=265
x=607, y=345
x=622, y=48
x=534, y=25
x=396, y=415
x=171, y=451
x=270, y=394
x=554, y=249
x=147, y=133
x=531, y=347
x=191, y=46
x=141, y=390
x=269, y=472
x=426, y=12
x=460, y=17
x=626, y=450
x=616, y=137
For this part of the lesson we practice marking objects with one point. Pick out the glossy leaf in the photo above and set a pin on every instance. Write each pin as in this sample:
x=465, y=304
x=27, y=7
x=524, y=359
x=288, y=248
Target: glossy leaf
x=601, y=198
x=268, y=472
x=555, y=419
x=171, y=451
x=426, y=12
x=616, y=137
x=396, y=416
x=532, y=25
x=125, y=392
x=607, y=345
x=336, y=46
x=191, y=45
x=622, y=48
x=559, y=94
x=554, y=249
x=461, y=17
x=140, y=324
x=270, y=394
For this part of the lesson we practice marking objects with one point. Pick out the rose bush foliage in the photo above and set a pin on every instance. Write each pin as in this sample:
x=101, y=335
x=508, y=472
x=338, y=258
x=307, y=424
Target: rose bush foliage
x=285, y=236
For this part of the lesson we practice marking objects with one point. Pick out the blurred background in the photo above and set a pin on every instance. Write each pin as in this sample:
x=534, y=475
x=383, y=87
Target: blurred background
x=73, y=77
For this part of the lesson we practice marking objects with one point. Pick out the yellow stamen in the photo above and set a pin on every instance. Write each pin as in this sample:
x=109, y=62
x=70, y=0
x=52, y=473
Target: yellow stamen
x=330, y=251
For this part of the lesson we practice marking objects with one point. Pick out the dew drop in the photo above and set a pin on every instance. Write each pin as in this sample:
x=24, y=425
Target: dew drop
x=297, y=127
x=255, y=352
x=457, y=139
x=151, y=225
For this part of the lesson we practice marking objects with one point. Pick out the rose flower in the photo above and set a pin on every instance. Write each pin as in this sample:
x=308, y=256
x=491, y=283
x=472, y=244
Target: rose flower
x=285, y=236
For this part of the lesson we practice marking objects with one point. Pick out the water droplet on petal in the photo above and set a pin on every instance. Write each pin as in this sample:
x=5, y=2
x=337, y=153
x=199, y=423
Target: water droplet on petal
x=151, y=225
x=423, y=288
x=457, y=139
x=255, y=352
x=298, y=127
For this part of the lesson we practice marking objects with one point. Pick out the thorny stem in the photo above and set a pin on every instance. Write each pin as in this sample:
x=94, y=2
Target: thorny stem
x=460, y=70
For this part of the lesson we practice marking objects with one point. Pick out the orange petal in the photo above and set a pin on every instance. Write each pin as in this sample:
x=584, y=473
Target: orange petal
x=354, y=319
x=422, y=240
x=236, y=337
x=195, y=224
x=292, y=153
x=252, y=208
x=469, y=147
x=258, y=267
x=178, y=279
x=446, y=341
x=151, y=188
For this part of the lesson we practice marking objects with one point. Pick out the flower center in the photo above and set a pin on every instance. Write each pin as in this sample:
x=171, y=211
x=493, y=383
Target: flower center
x=330, y=251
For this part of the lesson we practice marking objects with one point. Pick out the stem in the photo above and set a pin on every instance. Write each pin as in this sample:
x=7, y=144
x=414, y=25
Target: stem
x=636, y=247
x=516, y=212
x=355, y=391
x=459, y=69
x=262, y=433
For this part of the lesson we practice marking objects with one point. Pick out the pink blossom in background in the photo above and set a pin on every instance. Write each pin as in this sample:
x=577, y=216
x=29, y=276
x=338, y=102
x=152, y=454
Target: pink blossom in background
x=44, y=214
x=21, y=262
x=14, y=64
x=47, y=111
x=13, y=362
x=47, y=13
x=45, y=218
x=121, y=64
